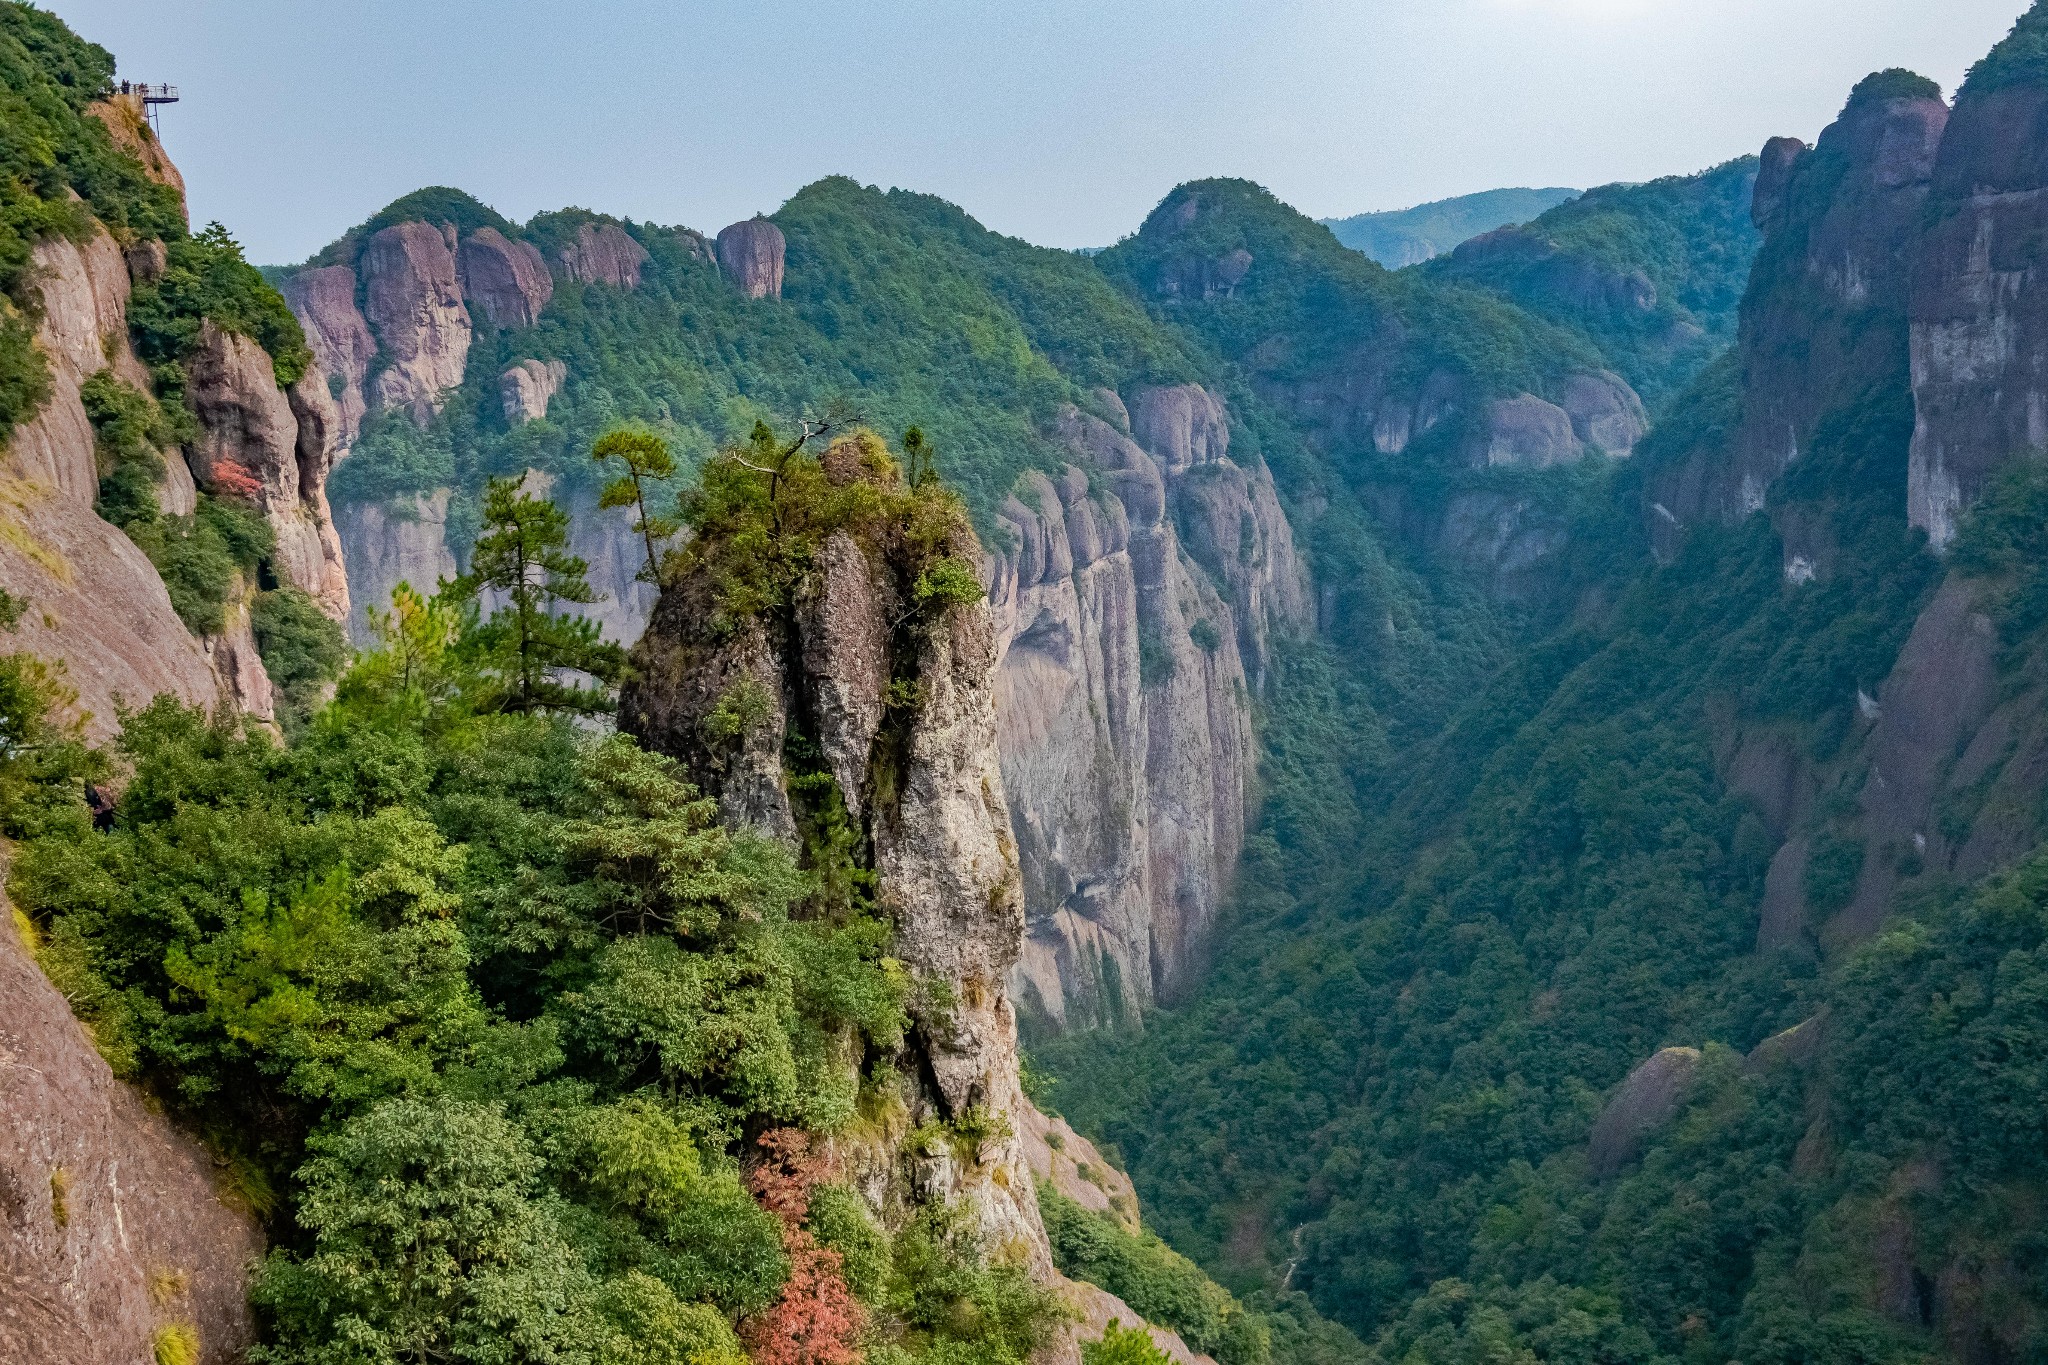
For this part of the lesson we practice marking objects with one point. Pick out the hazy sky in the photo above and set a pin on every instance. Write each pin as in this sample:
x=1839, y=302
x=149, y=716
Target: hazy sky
x=1061, y=121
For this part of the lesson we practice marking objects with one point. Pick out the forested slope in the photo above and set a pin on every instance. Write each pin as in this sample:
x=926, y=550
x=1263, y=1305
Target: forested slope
x=1662, y=996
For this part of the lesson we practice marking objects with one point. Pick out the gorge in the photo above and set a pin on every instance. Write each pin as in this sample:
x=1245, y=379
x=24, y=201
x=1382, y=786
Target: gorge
x=1497, y=805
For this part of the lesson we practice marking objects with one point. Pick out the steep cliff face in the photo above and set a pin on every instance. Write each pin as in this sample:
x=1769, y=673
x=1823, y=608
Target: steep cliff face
x=1979, y=325
x=324, y=300
x=413, y=301
x=1825, y=318
x=894, y=700
x=751, y=255
x=95, y=601
x=1130, y=657
x=113, y=1236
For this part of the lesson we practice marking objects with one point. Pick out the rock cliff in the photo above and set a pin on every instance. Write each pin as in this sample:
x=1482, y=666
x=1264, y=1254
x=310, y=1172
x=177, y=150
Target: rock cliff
x=750, y=254
x=96, y=604
x=506, y=279
x=413, y=301
x=896, y=705
x=324, y=300
x=113, y=1236
x=1130, y=653
x=1980, y=298
x=603, y=253
x=1826, y=315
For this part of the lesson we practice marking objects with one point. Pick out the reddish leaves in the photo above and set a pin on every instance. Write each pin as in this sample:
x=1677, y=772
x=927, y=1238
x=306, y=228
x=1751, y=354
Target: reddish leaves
x=817, y=1320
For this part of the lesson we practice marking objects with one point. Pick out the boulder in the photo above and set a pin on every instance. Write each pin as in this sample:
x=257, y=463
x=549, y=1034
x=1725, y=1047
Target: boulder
x=1606, y=413
x=603, y=253
x=414, y=304
x=1528, y=432
x=506, y=279
x=1642, y=1104
x=528, y=387
x=751, y=254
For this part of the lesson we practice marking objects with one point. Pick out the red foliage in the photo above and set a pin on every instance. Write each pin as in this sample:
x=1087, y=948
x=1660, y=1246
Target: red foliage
x=817, y=1320
x=229, y=480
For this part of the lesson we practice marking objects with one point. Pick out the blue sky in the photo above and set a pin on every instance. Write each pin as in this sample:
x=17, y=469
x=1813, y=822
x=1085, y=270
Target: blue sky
x=1061, y=121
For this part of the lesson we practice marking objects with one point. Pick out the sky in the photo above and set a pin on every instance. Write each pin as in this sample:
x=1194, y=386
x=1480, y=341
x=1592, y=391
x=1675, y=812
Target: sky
x=1060, y=121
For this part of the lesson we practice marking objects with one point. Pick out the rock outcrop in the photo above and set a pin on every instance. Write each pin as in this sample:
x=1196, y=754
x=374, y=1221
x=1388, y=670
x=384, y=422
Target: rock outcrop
x=385, y=544
x=1129, y=659
x=506, y=279
x=111, y=1229
x=1980, y=304
x=603, y=253
x=924, y=779
x=413, y=300
x=323, y=298
x=127, y=123
x=259, y=445
x=1827, y=313
x=95, y=603
x=1642, y=1104
x=528, y=387
x=750, y=255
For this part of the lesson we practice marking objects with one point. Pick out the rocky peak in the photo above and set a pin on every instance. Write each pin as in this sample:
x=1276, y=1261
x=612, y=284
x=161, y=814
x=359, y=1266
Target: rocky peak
x=414, y=303
x=507, y=279
x=603, y=253
x=751, y=254
x=323, y=298
x=897, y=703
x=1826, y=316
x=1980, y=296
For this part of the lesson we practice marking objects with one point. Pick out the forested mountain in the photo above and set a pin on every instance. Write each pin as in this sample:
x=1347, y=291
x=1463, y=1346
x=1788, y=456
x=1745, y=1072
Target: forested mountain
x=1505, y=796
x=1651, y=273
x=1403, y=237
x=1679, y=996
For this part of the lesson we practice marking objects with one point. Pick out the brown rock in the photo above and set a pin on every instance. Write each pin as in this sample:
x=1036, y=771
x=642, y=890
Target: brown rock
x=324, y=300
x=603, y=253
x=1070, y=1163
x=147, y=261
x=250, y=448
x=414, y=306
x=507, y=279
x=751, y=255
x=110, y=1224
x=1096, y=1308
x=1642, y=1104
x=843, y=630
x=96, y=605
x=528, y=387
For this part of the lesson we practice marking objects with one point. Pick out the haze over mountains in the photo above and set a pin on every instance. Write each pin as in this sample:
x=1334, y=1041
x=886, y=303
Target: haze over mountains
x=1403, y=237
x=809, y=791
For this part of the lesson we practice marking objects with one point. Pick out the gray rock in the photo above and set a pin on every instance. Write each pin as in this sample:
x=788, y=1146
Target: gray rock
x=751, y=255
x=414, y=305
x=1641, y=1105
x=506, y=279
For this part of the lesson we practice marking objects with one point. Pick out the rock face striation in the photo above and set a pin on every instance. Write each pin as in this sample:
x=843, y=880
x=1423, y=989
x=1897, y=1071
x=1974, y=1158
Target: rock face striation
x=1130, y=654
x=507, y=280
x=413, y=300
x=1980, y=303
x=95, y=603
x=324, y=300
x=111, y=1229
x=750, y=254
x=921, y=782
x=1827, y=316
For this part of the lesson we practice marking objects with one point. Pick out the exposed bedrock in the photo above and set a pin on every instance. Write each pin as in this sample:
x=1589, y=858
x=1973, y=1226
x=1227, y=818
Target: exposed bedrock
x=324, y=300
x=602, y=253
x=413, y=302
x=1130, y=658
x=111, y=1227
x=506, y=280
x=750, y=255
x=1980, y=306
